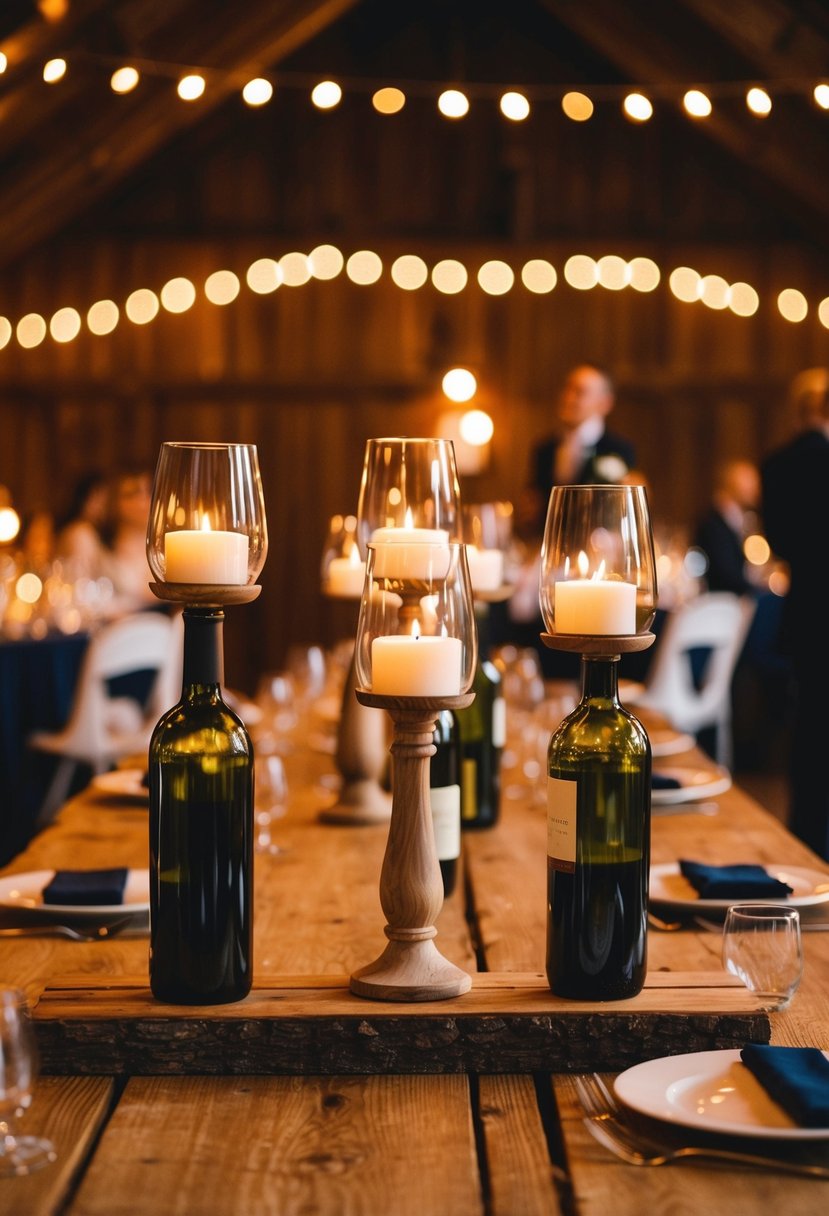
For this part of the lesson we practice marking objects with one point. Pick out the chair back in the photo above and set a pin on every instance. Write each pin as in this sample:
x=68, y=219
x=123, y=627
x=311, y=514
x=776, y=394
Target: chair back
x=716, y=622
x=102, y=726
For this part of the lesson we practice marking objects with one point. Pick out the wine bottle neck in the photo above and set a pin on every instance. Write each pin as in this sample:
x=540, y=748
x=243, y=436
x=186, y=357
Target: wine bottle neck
x=599, y=678
x=203, y=651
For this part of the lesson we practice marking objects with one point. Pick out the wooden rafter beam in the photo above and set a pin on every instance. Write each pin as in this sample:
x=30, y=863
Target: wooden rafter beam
x=46, y=194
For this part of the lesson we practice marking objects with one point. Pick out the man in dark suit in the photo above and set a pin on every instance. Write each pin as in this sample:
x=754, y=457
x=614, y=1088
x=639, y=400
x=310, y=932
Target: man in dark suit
x=583, y=452
x=796, y=517
x=722, y=531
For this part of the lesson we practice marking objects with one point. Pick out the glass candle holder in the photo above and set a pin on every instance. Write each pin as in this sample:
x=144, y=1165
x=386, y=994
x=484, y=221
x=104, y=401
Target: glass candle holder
x=343, y=569
x=598, y=574
x=416, y=635
x=409, y=484
x=207, y=517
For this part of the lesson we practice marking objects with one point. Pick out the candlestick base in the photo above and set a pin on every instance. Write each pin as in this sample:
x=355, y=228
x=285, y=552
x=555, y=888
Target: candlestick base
x=206, y=595
x=411, y=968
x=598, y=644
x=362, y=747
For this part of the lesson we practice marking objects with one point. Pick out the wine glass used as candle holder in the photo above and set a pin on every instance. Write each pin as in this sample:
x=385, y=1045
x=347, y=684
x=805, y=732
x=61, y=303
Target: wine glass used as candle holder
x=415, y=656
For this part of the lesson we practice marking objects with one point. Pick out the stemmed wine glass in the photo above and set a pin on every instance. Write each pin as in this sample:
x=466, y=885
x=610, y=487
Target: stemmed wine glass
x=412, y=484
x=18, y=1066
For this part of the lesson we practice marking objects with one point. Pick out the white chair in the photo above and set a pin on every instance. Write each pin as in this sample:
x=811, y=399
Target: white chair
x=718, y=622
x=102, y=727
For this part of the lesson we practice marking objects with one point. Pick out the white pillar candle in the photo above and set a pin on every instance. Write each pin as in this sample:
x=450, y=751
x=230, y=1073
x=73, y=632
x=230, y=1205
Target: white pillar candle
x=486, y=568
x=407, y=666
x=217, y=558
x=346, y=577
x=411, y=553
x=595, y=606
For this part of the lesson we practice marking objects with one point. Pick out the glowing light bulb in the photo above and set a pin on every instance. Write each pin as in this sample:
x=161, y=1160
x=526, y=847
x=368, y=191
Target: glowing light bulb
x=326, y=262
x=54, y=70
x=326, y=95
x=581, y=272
x=577, y=106
x=388, y=101
x=102, y=317
x=697, y=103
x=9, y=524
x=644, y=274
x=744, y=300
x=759, y=102
x=4, y=63
x=364, y=267
x=222, y=287
x=263, y=276
x=685, y=284
x=538, y=276
x=459, y=384
x=452, y=103
x=496, y=278
x=31, y=330
x=6, y=332
x=65, y=324
x=515, y=107
x=821, y=96
x=476, y=428
x=295, y=269
x=190, y=88
x=409, y=272
x=792, y=305
x=124, y=80
x=257, y=92
x=178, y=295
x=613, y=272
x=449, y=276
x=142, y=306
x=637, y=107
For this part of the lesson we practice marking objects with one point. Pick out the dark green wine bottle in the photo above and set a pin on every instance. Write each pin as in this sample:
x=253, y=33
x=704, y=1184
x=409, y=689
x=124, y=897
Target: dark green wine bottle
x=201, y=834
x=598, y=844
x=482, y=728
x=445, y=797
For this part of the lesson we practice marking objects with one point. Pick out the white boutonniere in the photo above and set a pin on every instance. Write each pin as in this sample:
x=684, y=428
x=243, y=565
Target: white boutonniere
x=610, y=468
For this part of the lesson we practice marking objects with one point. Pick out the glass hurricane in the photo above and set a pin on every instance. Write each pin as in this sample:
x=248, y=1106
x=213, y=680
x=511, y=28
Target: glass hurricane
x=409, y=483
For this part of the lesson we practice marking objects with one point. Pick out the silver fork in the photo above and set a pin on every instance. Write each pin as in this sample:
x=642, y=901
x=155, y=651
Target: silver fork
x=98, y=933
x=605, y=1122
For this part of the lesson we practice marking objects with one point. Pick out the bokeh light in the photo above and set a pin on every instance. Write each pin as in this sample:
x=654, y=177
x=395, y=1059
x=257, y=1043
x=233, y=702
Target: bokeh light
x=697, y=103
x=792, y=305
x=326, y=262
x=263, y=276
x=714, y=291
x=54, y=70
x=459, y=384
x=102, y=317
x=65, y=324
x=409, y=272
x=31, y=330
x=124, y=80
x=645, y=275
x=613, y=272
x=326, y=95
x=759, y=102
x=142, y=306
x=476, y=428
x=686, y=284
x=295, y=269
x=9, y=524
x=257, y=92
x=581, y=272
x=449, y=276
x=222, y=287
x=190, y=88
x=577, y=106
x=744, y=300
x=515, y=106
x=452, y=103
x=364, y=267
x=538, y=276
x=496, y=278
x=637, y=107
x=388, y=101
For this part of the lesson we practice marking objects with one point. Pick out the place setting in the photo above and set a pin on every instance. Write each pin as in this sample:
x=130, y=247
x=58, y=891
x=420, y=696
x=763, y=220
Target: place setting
x=83, y=905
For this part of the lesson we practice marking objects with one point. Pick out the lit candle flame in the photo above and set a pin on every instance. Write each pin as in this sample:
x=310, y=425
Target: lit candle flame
x=415, y=629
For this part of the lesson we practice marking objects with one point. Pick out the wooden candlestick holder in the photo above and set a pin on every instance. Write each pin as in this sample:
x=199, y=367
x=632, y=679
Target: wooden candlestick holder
x=206, y=595
x=411, y=968
x=360, y=757
x=598, y=644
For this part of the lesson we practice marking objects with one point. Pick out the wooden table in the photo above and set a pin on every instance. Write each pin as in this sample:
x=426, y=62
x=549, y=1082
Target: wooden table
x=430, y=1145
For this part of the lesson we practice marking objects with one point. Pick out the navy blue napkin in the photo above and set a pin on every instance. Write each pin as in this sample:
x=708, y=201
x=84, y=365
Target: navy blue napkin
x=733, y=882
x=78, y=888
x=797, y=1078
x=659, y=781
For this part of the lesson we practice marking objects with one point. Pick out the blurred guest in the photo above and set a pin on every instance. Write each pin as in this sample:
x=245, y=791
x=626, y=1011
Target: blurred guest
x=80, y=535
x=128, y=567
x=583, y=451
x=721, y=533
x=796, y=518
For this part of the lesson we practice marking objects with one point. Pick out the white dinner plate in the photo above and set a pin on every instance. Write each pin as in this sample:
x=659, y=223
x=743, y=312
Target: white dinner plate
x=694, y=783
x=668, y=885
x=24, y=893
x=712, y=1091
x=122, y=783
x=665, y=741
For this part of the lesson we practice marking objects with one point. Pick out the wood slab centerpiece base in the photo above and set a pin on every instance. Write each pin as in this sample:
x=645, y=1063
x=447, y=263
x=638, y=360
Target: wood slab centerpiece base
x=314, y=1026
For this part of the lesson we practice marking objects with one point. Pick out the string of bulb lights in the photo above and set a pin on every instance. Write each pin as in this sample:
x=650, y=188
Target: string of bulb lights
x=408, y=272
x=577, y=102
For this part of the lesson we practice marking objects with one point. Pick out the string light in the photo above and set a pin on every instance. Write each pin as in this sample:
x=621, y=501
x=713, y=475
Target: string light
x=409, y=273
x=577, y=106
x=452, y=103
x=821, y=95
x=124, y=80
x=514, y=106
x=4, y=63
x=54, y=70
x=759, y=102
x=459, y=384
x=326, y=95
x=388, y=101
x=190, y=88
x=476, y=428
x=697, y=103
x=637, y=107
x=257, y=92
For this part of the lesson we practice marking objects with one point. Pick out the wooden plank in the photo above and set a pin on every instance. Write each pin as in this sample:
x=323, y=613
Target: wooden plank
x=506, y=1024
x=601, y=1183
x=519, y=1171
x=69, y=1111
x=184, y=1146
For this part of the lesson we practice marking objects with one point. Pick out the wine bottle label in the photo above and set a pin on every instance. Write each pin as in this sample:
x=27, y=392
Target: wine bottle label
x=561, y=823
x=446, y=817
x=469, y=785
x=499, y=722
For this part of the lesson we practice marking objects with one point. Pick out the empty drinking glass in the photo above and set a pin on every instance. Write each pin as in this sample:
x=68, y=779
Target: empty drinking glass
x=18, y=1067
x=270, y=800
x=761, y=945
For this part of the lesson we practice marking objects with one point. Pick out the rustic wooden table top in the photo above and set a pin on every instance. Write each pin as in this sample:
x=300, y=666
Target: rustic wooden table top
x=430, y=1145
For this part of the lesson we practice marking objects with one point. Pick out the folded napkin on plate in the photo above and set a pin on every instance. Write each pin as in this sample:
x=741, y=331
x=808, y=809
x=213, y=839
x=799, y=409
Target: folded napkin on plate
x=78, y=888
x=797, y=1078
x=660, y=781
x=733, y=882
